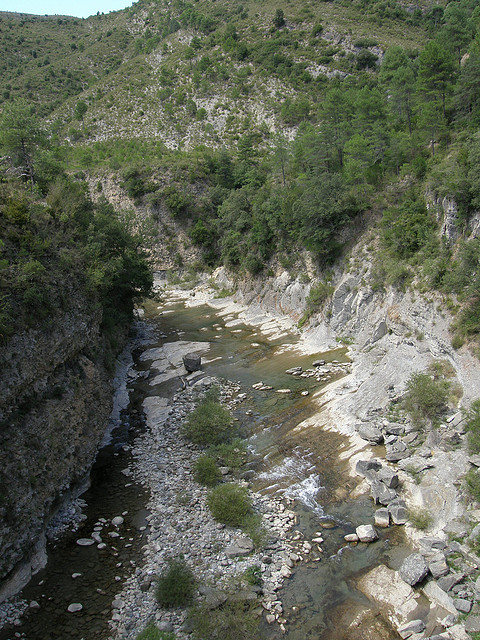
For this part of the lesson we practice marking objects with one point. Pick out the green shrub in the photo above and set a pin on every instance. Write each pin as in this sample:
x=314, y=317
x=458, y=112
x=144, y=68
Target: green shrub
x=472, y=480
x=208, y=424
x=206, y=471
x=232, y=621
x=232, y=454
x=176, y=585
x=426, y=398
x=473, y=427
x=253, y=576
x=230, y=504
x=151, y=632
x=420, y=518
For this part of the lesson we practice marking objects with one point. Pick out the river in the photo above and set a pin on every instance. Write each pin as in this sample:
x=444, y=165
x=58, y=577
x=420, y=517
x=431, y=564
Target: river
x=302, y=463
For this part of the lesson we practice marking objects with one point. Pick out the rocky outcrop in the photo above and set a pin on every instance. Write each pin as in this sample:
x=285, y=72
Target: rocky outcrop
x=55, y=399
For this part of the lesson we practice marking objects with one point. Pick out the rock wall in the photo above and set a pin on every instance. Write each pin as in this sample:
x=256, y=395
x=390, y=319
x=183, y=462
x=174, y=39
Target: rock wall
x=55, y=399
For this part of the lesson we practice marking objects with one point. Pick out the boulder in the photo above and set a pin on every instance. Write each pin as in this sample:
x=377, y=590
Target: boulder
x=366, y=533
x=381, y=494
x=369, y=432
x=366, y=467
x=462, y=605
x=388, y=477
x=394, y=429
x=432, y=542
x=447, y=582
x=408, y=629
x=382, y=517
x=192, y=362
x=351, y=537
x=438, y=566
x=240, y=547
x=398, y=513
x=413, y=569
x=472, y=624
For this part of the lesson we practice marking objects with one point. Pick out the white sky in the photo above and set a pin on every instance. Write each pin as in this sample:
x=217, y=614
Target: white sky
x=79, y=8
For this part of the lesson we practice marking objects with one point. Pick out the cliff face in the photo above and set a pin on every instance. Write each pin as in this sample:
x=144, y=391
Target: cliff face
x=55, y=399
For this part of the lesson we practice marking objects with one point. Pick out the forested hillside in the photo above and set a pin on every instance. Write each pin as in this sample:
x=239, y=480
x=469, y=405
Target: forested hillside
x=264, y=130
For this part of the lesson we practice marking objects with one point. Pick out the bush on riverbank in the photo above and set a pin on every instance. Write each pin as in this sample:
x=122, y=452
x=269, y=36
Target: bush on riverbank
x=232, y=454
x=209, y=424
x=230, y=504
x=175, y=586
x=151, y=632
x=232, y=621
x=206, y=472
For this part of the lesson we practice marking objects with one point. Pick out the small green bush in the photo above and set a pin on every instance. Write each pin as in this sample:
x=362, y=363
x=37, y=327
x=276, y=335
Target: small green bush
x=230, y=504
x=472, y=425
x=472, y=480
x=232, y=454
x=206, y=471
x=253, y=576
x=420, y=518
x=426, y=397
x=176, y=585
x=208, y=424
x=151, y=632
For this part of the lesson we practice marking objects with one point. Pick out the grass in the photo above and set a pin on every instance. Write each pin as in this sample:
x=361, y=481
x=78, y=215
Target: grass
x=233, y=621
x=151, y=632
x=420, y=518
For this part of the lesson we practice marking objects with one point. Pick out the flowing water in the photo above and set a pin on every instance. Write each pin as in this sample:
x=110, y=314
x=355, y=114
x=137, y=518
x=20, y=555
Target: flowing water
x=301, y=464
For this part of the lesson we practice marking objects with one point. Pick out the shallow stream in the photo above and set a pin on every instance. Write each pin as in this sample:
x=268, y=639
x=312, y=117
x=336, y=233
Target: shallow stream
x=320, y=598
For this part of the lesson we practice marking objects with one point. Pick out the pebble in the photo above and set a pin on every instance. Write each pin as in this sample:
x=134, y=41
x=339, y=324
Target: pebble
x=85, y=542
x=74, y=607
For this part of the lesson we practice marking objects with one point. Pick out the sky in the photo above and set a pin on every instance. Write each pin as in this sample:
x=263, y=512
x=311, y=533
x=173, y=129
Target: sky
x=78, y=8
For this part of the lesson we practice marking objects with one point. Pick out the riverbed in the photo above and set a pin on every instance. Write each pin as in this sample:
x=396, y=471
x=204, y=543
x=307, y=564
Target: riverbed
x=294, y=459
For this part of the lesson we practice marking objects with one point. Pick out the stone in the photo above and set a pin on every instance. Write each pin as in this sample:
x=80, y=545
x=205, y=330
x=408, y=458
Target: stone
x=351, y=537
x=474, y=460
x=117, y=521
x=472, y=624
x=165, y=626
x=85, y=542
x=399, y=514
x=366, y=533
x=369, y=433
x=438, y=567
x=394, y=429
x=396, y=456
x=447, y=582
x=413, y=569
x=74, y=607
x=241, y=547
x=432, y=542
x=380, y=331
x=382, y=517
x=462, y=605
x=388, y=477
x=363, y=467
x=381, y=494
x=34, y=605
x=192, y=362
x=408, y=629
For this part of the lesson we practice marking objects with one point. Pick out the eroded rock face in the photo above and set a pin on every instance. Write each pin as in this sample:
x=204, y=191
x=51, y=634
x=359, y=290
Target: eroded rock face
x=55, y=399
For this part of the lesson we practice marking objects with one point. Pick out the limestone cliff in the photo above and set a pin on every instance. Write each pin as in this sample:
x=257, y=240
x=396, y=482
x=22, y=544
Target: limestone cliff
x=55, y=398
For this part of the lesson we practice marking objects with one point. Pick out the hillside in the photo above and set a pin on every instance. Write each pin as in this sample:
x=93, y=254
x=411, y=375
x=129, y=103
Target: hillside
x=328, y=148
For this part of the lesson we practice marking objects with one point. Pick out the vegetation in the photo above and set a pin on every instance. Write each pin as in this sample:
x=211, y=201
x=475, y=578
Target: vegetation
x=233, y=621
x=472, y=481
x=206, y=471
x=420, y=518
x=176, y=585
x=209, y=424
x=426, y=397
x=151, y=632
x=472, y=425
x=230, y=504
